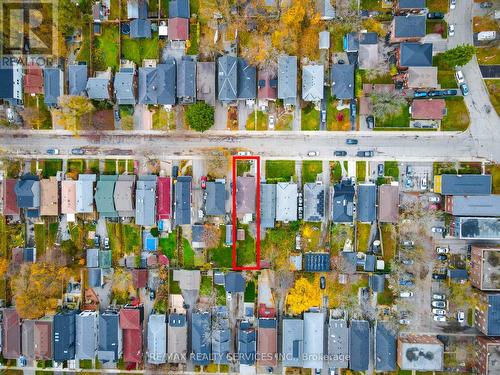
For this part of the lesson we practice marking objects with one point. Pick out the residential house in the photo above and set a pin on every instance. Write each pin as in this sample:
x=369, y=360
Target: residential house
x=292, y=342
x=200, y=343
x=205, y=82
x=33, y=80
x=467, y=184
x=376, y=282
x=105, y=259
x=182, y=205
x=42, y=338
x=28, y=339
x=177, y=338
x=369, y=53
x=428, y=109
x=64, y=335
x=86, y=335
x=27, y=191
x=11, y=76
x=287, y=79
x=313, y=81
x=314, y=330
x=186, y=80
x=245, y=196
x=267, y=342
x=267, y=205
x=157, y=339
x=11, y=333
x=49, y=197
x=125, y=86
x=137, y=9
x=99, y=87
x=246, y=343
x=178, y=29
x=53, y=85
x=104, y=196
x=317, y=262
x=488, y=356
x=359, y=345
x=110, y=337
x=227, y=78
x=68, y=199
x=247, y=80
x=215, y=203
x=415, y=54
x=487, y=314
x=422, y=77
x=85, y=193
x=92, y=258
x=286, y=201
x=409, y=28
x=157, y=85
x=123, y=195
x=139, y=278
x=164, y=203
x=140, y=28
x=478, y=228
x=477, y=205
x=131, y=318
x=388, y=203
x=325, y=10
x=385, y=348
x=409, y=5
x=198, y=236
x=420, y=353
x=343, y=202
x=324, y=39
x=77, y=79
x=314, y=202
x=485, y=268
x=179, y=9
x=10, y=207
x=267, y=87
x=221, y=336
x=338, y=343
x=234, y=282
x=367, y=199
x=95, y=277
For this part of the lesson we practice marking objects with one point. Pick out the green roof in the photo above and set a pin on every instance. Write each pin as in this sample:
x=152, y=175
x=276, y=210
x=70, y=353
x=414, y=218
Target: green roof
x=105, y=258
x=104, y=196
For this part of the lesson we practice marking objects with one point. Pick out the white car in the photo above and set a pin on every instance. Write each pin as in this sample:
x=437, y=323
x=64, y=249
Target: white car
x=423, y=183
x=460, y=316
x=460, y=77
x=406, y=294
x=438, y=304
x=437, y=229
x=271, y=122
x=244, y=153
x=451, y=30
x=439, y=312
x=442, y=250
x=313, y=153
x=405, y=322
x=439, y=318
x=438, y=297
x=453, y=4
x=434, y=199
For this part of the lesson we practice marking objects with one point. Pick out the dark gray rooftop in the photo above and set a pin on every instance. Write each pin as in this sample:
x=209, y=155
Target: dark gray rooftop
x=343, y=81
x=247, y=80
x=52, y=85
x=293, y=342
x=200, y=341
x=98, y=88
x=367, y=198
x=227, y=73
x=338, y=343
x=110, y=338
x=377, y=282
x=216, y=198
x=415, y=54
x=124, y=87
x=157, y=85
x=467, y=184
x=317, y=262
x=287, y=79
x=385, y=348
x=409, y=26
x=343, y=202
x=493, y=319
x=178, y=9
x=183, y=200
x=186, y=80
x=314, y=202
x=359, y=345
x=411, y=4
x=64, y=335
x=78, y=75
x=234, y=282
x=267, y=205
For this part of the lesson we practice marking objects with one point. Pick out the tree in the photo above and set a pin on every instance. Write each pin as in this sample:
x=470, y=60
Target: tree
x=211, y=235
x=387, y=103
x=122, y=285
x=4, y=266
x=200, y=116
x=458, y=56
x=72, y=109
x=303, y=296
x=37, y=288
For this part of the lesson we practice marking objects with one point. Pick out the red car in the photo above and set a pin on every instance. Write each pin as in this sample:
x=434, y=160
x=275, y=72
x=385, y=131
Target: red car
x=203, y=182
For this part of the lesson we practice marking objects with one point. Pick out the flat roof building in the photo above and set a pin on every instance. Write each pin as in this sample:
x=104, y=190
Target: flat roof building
x=467, y=184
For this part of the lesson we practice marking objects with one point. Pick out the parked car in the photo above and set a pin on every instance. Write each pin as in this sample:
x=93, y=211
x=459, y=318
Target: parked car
x=351, y=141
x=53, y=151
x=450, y=92
x=405, y=322
x=313, y=153
x=460, y=316
x=423, y=183
x=439, y=276
x=117, y=115
x=404, y=282
x=409, y=170
x=106, y=243
x=370, y=122
x=435, y=93
x=434, y=198
x=353, y=108
x=459, y=76
x=408, y=243
x=323, y=115
x=365, y=154
x=437, y=230
x=442, y=257
x=439, y=311
x=380, y=170
x=451, y=30
x=407, y=262
x=77, y=151
x=97, y=240
x=175, y=171
x=322, y=282
x=442, y=250
x=485, y=4
x=152, y=295
x=438, y=304
x=439, y=318
x=453, y=4
x=438, y=296
x=420, y=94
x=408, y=183
x=465, y=89
x=435, y=15
x=271, y=122
x=405, y=294
x=203, y=182
x=340, y=153
x=244, y=153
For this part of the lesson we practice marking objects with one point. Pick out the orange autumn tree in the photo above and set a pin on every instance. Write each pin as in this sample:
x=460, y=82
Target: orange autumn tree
x=302, y=297
x=4, y=267
x=37, y=287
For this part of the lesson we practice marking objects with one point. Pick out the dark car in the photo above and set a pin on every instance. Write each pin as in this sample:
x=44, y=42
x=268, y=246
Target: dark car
x=442, y=257
x=97, y=240
x=152, y=295
x=432, y=94
x=77, y=151
x=351, y=141
x=435, y=15
x=420, y=94
x=117, y=115
x=439, y=276
x=365, y=154
x=404, y=282
x=175, y=171
x=370, y=122
x=340, y=153
x=486, y=4
x=380, y=170
x=353, y=107
x=450, y=92
x=322, y=282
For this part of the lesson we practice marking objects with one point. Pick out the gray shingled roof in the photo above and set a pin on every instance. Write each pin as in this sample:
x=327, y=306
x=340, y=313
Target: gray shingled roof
x=313, y=77
x=293, y=342
x=411, y=4
x=157, y=85
x=359, y=343
x=286, y=201
x=409, y=26
x=64, y=335
x=338, y=343
x=52, y=85
x=227, y=76
x=287, y=79
x=186, y=80
x=367, y=198
x=103, y=196
x=415, y=54
x=475, y=205
x=267, y=205
x=98, y=88
x=385, y=348
x=183, y=200
x=314, y=202
x=200, y=342
x=124, y=87
x=110, y=337
x=343, y=202
x=247, y=80
x=78, y=75
x=140, y=28
x=314, y=340
x=86, y=334
x=343, y=81
x=157, y=338
x=467, y=184
x=216, y=198
x=178, y=8
x=234, y=282
x=145, y=201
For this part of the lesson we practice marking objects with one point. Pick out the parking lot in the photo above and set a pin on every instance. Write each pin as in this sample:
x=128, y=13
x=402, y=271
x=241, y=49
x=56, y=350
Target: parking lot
x=416, y=177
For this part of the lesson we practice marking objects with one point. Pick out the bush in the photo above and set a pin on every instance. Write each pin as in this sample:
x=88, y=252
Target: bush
x=200, y=116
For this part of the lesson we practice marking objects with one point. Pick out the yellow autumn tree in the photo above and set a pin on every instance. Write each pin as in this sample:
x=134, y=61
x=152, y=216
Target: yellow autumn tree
x=303, y=296
x=4, y=266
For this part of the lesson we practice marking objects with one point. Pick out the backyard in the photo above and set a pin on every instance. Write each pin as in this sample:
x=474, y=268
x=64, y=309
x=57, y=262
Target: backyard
x=310, y=170
x=338, y=235
x=310, y=118
x=106, y=51
x=221, y=255
x=457, y=117
x=245, y=250
x=137, y=50
x=279, y=170
x=168, y=246
x=488, y=55
x=362, y=236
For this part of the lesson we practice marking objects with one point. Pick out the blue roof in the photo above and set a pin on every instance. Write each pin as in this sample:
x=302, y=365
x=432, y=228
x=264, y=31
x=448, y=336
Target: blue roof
x=411, y=4
x=94, y=277
x=377, y=282
x=415, y=54
x=78, y=75
x=158, y=85
x=343, y=81
x=227, y=73
x=493, y=319
x=177, y=320
x=359, y=345
x=183, y=200
x=317, y=262
x=370, y=262
x=200, y=342
x=343, y=202
x=178, y=9
x=109, y=339
x=409, y=26
x=124, y=86
x=145, y=200
x=64, y=335
x=234, y=282
x=140, y=28
x=247, y=80
x=246, y=344
x=51, y=85
x=367, y=198
x=186, y=80
x=221, y=337
x=7, y=79
x=27, y=191
x=458, y=275
x=467, y=184
x=385, y=348
x=287, y=79
x=216, y=198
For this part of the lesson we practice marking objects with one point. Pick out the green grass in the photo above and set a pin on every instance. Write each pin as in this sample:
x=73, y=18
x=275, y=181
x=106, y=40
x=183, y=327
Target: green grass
x=245, y=250
x=250, y=292
x=93, y=165
x=385, y=298
x=493, y=86
x=310, y=169
x=331, y=115
x=362, y=236
x=361, y=171
x=84, y=53
x=337, y=32
x=488, y=55
x=285, y=122
x=310, y=118
x=163, y=120
x=206, y=286
x=437, y=6
x=437, y=27
x=76, y=166
x=457, y=118
x=10, y=236
x=280, y=170
x=194, y=35
x=125, y=166
x=396, y=120
x=221, y=256
x=261, y=121
x=495, y=176
x=106, y=51
x=110, y=166
x=391, y=169
x=137, y=50
x=446, y=74
x=132, y=238
x=339, y=233
x=384, y=78
x=242, y=166
x=188, y=254
x=168, y=246
x=40, y=239
x=388, y=233
x=50, y=167
x=85, y=363
x=372, y=5
x=221, y=295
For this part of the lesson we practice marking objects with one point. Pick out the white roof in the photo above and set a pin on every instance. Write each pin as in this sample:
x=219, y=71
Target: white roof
x=286, y=201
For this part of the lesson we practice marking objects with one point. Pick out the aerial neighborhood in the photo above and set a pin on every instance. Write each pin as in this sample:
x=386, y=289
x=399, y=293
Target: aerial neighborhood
x=251, y=186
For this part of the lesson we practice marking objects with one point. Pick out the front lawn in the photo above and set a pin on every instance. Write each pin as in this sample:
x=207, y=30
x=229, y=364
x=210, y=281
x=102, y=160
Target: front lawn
x=76, y=166
x=437, y=6
x=280, y=170
x=137, y=50
x=493, y=86
x=361, y=171
x=495, y=176
x=362, y=236
x=457, y=118
x=285, y=122
x=446, y=74
x=396, y=120
x=110, y=166
x=485, y=23
x=92, y=166
x=336, y=171
x=163, y=119
x=310, y=170
x=106, y=51
x=335, y=119
x=391, y=169
x=437, y=27
x=261, y=121
x=50, y=167
x=488, y=55
x=40, y=117
x=310, y=118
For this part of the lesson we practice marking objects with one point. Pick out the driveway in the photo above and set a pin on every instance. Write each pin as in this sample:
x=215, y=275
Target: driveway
x=143, y=119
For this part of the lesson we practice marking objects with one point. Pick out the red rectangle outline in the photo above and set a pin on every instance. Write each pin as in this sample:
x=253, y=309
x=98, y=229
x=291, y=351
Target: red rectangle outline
x=257, y=214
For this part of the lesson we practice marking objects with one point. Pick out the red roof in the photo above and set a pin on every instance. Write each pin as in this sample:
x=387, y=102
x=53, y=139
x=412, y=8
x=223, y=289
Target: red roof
x=43, y=339
x=428, y=109
x=33, y=80
x=9, y=198
x=132, y=345
x=130, y=319
x=163, y=260
x=266, y=312
x=164, y=198
x=264, y=83
x=11, y=334
x=139, y=277
x=178, y=29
